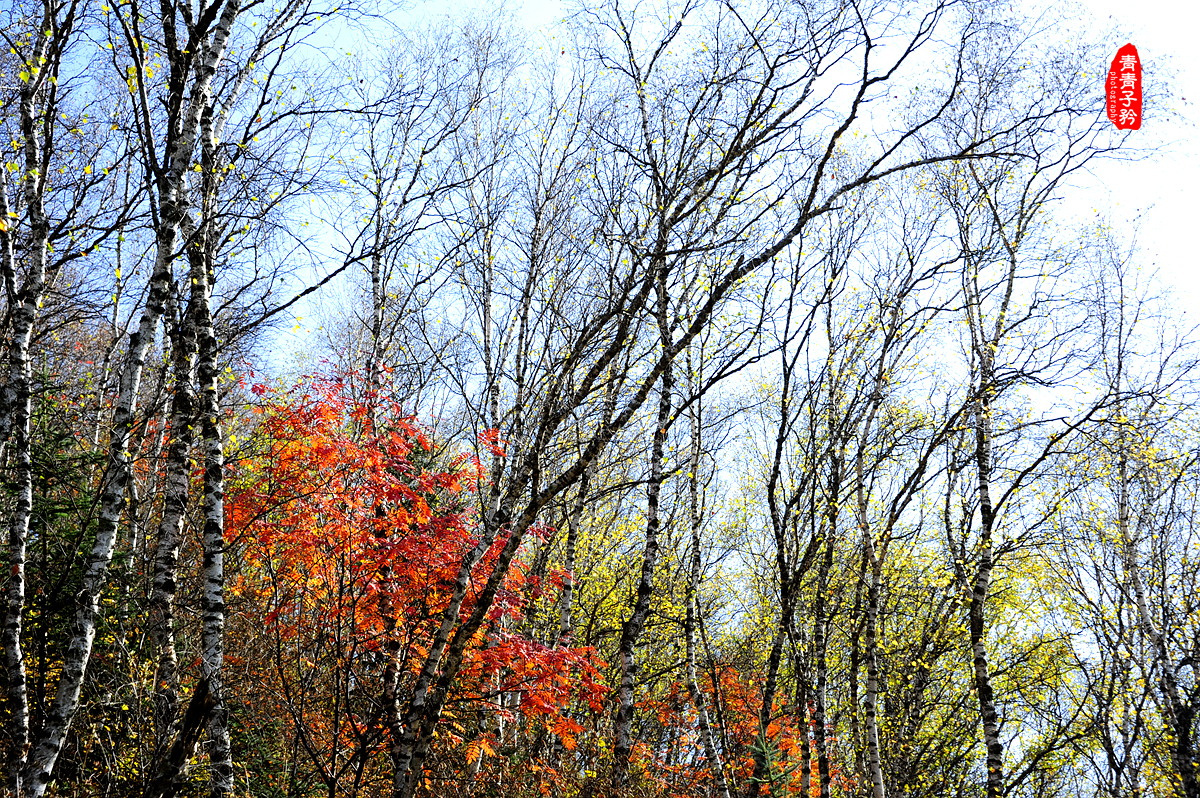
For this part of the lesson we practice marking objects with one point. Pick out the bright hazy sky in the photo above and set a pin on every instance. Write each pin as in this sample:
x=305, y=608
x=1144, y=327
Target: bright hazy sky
x=1167, y=190
x=1163, y=192
x=1158, y=197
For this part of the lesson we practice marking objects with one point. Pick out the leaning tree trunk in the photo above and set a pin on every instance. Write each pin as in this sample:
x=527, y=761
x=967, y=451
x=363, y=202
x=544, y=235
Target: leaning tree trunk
x=83, y=628
x=450, y=642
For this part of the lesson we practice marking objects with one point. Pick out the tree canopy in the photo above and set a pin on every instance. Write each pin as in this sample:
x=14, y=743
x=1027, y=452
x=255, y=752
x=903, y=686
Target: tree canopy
x=698, y=399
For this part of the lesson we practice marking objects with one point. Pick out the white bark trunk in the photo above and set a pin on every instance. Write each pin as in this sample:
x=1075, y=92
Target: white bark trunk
x=213, y=601
x=820, y=662
x=567, y=599
x=17, y=402
x=36, y=102
x=979, y=592
x=870, y=703
x=875, y=568
x=1183, y=753
x=632, y=628
x=58, y=719
x=170, y=530
x=720, y=785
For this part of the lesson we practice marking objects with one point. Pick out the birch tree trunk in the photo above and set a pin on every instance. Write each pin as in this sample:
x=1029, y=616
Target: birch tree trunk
x=565, y=621
x=825, y=566
x=820, y=624
x=721, y=787
x=172, y=208
x=23, y=304
x=170, y=529
x=1176, y=712
x=871, y=700
x=978, y=602
x=632, y=628
x=805, y=744
x=213, y=601
x=984, y=349
x=83, y=629
x=875, y=570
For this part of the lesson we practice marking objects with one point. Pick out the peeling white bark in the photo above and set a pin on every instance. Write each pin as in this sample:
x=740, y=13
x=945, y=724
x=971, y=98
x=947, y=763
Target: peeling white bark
x=170, y=530
x=62, y=710
x=36, y=106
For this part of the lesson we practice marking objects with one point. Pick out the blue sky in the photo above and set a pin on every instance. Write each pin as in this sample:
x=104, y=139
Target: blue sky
x=1155, y=199
x=1158, y=197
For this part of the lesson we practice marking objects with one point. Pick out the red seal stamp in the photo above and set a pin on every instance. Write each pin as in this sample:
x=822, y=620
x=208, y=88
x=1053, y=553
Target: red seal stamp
x=1124, y=89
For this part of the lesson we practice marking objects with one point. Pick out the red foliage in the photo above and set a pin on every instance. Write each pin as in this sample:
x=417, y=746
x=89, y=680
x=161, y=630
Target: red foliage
x=739, y=697
x=353, y=528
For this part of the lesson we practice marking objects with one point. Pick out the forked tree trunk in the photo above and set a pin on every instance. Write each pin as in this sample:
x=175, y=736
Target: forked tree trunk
x=165, y=782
